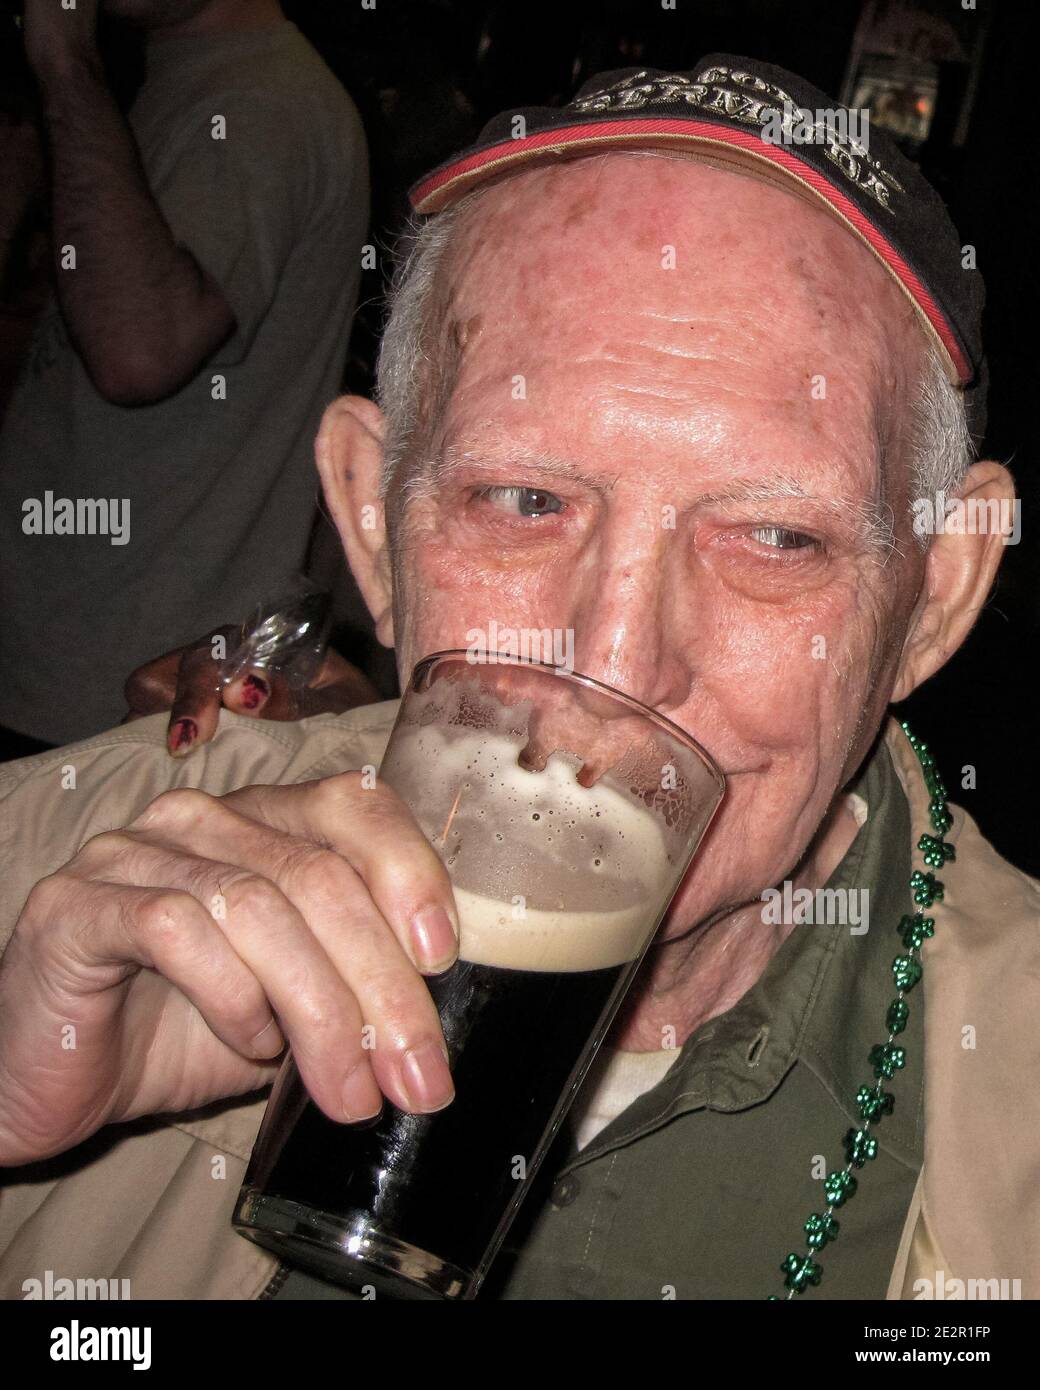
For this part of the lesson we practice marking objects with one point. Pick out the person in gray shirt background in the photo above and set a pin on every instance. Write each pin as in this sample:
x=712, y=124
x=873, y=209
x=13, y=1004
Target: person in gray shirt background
x=155, y=461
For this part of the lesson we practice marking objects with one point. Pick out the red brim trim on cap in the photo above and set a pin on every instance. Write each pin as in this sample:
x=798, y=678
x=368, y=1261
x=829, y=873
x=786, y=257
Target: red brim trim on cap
x=452, y=182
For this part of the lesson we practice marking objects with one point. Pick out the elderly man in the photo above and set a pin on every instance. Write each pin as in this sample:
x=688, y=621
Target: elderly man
x=656, y=379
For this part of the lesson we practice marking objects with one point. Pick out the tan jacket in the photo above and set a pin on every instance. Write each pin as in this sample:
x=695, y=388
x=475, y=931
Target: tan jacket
x=151, y=1202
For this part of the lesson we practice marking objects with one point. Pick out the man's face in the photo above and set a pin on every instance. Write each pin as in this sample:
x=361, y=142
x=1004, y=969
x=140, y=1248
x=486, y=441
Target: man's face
x=664, y=435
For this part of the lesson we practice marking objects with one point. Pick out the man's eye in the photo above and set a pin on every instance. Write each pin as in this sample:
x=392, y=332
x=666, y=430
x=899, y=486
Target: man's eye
x=780, y=538
x=522, y=501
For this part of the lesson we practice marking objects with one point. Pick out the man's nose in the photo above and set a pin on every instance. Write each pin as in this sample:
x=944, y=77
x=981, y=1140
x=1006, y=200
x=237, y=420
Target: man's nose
x=626, y=629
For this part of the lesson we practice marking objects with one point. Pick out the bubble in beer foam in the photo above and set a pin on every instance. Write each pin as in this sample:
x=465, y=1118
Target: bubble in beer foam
x=589, y=863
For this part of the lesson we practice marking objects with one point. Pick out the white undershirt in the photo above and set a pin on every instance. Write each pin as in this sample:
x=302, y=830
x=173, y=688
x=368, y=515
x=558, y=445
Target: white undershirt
x=613, y=1083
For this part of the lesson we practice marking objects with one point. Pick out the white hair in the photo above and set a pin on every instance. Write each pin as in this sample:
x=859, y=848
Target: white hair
x=938, y=442
x=941, y=448
x=410, y=329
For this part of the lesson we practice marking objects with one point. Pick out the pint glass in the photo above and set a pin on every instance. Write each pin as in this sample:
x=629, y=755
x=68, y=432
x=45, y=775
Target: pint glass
x=566, y=815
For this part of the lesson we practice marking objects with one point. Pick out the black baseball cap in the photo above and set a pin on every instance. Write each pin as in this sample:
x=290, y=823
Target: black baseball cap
x=758, y=119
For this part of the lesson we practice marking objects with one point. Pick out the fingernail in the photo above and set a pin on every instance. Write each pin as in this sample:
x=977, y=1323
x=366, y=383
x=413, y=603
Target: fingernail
x=255, y=692
x=434, y=939
x=426, y=1079
x=358, y=1102
x=268, y=1042
x=182, y=736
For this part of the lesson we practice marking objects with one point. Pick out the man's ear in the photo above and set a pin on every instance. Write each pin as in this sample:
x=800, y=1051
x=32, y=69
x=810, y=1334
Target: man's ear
x=959, y=572
x=349, y=455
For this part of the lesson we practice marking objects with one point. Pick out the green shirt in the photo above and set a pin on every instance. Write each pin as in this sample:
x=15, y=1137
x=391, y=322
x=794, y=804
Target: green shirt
x=700, y=1188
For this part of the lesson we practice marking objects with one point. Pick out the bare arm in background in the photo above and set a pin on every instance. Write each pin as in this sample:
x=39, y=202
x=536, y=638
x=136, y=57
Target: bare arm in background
x=142, y=313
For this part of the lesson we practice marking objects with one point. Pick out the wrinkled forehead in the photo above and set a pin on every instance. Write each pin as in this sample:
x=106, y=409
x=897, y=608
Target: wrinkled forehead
x=672, y=277
x=607, y=254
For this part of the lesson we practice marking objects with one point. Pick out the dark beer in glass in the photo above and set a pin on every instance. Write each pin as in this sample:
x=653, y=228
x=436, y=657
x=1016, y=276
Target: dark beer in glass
x=566, y=815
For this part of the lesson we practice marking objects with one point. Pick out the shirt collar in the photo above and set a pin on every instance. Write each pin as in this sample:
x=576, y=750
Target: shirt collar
x=848, y=1015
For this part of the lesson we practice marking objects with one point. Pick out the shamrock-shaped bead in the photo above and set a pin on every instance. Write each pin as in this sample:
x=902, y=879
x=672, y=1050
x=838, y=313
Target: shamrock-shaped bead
x=916, y=930
x=926, y=887
x=887, y=1059
x=839, y=1188
x=859, y=1146
x=898, y=1013
x=939, y=816
x=873, y=1104
x=820, y=1229
x=936, y=852
x=800, y=1270
x=906, y=971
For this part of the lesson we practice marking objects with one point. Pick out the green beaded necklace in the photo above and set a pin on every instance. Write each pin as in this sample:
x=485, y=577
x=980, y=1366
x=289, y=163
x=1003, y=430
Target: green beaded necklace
x=874, y=1102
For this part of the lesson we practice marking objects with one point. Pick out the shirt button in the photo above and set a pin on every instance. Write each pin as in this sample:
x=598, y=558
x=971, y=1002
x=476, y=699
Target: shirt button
x=565, y=1191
